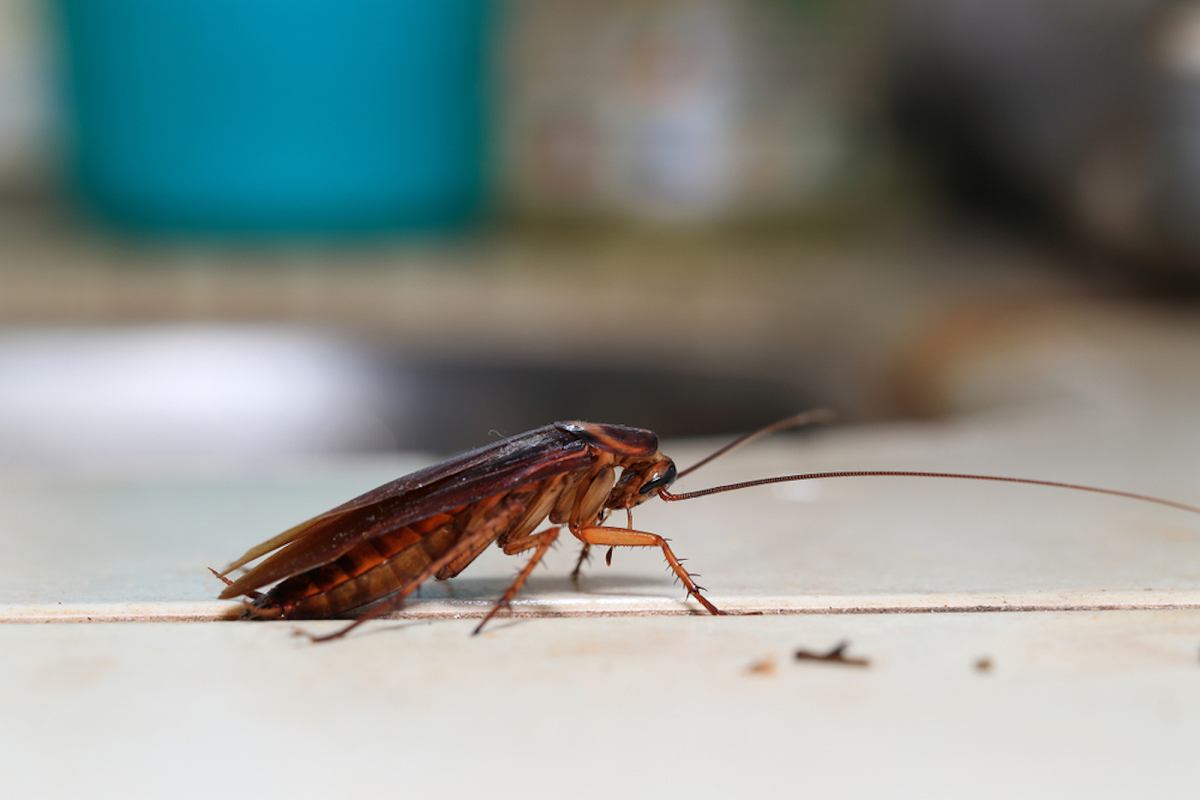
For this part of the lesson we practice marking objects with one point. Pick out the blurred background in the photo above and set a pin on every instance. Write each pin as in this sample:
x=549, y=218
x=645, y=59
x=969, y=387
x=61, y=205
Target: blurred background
x=260, y=231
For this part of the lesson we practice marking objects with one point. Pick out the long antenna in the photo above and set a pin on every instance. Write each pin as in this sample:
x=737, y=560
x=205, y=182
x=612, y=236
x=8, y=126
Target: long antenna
x=817, y=416
x=888, y=473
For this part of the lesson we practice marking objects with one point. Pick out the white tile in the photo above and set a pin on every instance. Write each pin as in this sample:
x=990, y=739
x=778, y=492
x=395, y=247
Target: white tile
x=1100, y=705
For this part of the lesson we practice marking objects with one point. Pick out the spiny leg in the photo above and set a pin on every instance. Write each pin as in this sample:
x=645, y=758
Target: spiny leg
x=585, y=555
x=227, y=582
x=629, y=525
x=624, y=537
x=542, y=542
x=389, y=604
x=608, y=554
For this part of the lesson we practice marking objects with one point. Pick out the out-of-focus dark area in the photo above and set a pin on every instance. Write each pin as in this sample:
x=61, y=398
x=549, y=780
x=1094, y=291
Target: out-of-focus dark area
x=273, y=230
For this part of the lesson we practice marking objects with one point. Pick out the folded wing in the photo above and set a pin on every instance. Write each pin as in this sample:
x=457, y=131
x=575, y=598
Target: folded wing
x=532, y=456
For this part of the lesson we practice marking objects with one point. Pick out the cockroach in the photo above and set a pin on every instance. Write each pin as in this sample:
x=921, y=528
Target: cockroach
x=364, y=557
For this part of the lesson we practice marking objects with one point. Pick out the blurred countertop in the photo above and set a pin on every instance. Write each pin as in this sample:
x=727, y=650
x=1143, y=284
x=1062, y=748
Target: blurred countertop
x=889, y=324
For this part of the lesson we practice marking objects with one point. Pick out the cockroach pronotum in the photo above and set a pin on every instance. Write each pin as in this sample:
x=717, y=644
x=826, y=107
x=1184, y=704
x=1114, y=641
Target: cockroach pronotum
x=366, y=556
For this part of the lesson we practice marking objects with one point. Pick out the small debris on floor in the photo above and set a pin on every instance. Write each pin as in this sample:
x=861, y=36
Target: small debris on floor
x=983, y=664
x=764, y=666
x=835, y=656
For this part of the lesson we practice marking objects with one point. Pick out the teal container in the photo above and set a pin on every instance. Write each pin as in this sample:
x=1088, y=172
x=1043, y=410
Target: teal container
x=276, y=116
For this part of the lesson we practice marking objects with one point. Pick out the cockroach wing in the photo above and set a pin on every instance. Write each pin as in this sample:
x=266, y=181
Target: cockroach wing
x=517, y=447
x=529, y=457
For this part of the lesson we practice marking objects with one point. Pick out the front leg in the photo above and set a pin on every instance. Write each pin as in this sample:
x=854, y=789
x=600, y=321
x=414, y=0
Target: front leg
x=606, y=536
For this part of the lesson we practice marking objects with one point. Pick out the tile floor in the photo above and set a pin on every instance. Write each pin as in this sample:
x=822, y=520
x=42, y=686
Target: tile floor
x=614, y=689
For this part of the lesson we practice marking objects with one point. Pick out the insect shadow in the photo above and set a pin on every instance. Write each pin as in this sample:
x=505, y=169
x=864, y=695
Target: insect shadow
x=597, y=582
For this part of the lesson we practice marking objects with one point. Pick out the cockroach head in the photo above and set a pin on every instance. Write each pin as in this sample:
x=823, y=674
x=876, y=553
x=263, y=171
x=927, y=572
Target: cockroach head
x=644, y=468
x=640, y=480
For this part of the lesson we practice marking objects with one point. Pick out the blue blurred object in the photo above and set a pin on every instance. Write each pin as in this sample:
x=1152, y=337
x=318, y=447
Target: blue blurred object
x=276, y=116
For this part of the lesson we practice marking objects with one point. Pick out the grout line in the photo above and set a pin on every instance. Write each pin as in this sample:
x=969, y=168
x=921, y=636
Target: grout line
x=641, y=607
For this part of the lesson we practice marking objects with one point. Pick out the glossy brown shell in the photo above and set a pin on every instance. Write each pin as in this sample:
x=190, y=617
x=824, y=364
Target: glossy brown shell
x=373, y=545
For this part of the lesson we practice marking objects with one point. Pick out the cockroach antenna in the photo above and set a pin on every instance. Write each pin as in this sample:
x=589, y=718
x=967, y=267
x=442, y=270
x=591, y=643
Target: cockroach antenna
x=824, y=416
x=818, y=416
x=893, y=473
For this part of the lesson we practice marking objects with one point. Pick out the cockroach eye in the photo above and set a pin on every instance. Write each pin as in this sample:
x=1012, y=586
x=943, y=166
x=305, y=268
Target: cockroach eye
x=664, y=480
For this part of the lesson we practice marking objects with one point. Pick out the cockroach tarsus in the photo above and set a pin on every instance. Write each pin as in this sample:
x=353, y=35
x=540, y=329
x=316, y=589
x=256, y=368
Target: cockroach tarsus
x=366, y=556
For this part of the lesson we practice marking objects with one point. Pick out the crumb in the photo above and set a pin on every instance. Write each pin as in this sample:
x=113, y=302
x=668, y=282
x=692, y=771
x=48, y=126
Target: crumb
x=764, y=666
x=835, y=656
x=983, y=664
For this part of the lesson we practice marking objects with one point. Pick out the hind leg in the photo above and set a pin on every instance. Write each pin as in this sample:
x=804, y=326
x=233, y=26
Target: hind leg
x=227, y=582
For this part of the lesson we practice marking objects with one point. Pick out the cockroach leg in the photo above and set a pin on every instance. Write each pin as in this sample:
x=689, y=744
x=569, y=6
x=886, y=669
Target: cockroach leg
x=608, y=554
x=585, y=555
x=542, y=541
x=227, y=582
x=623, y=537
